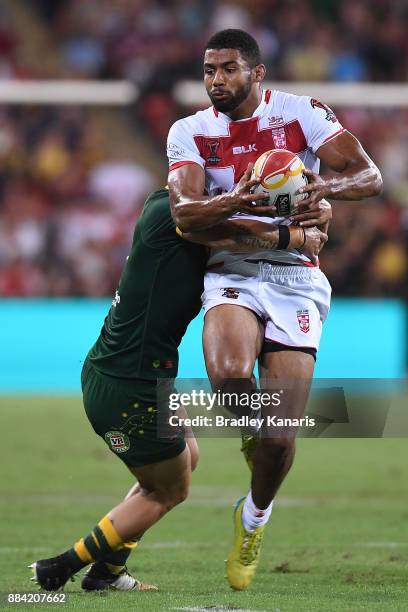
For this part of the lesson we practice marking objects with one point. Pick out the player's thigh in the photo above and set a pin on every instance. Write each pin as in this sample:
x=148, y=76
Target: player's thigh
x=138, y=487
x=287, y=374
x=232, y=340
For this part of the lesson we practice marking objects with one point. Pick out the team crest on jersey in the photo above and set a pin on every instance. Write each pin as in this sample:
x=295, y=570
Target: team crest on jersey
x=118, y=441
x=303, y=320
x=330, y=116
x=213, y=158
x=278, y=132
x=230, y=293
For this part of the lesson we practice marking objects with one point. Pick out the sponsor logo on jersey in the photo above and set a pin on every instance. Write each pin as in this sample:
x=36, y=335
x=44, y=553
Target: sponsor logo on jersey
x=244, y=149
x=118, y=441
x=330, y=116
x=174, y=152
x=303, y=320
x=276, y=121
x=282, y=204
x=213, y=158
x=230, y=293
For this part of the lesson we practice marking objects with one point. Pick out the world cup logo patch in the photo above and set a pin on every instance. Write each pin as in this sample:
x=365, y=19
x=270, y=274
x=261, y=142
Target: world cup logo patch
x=303, y=320
x=213, y=146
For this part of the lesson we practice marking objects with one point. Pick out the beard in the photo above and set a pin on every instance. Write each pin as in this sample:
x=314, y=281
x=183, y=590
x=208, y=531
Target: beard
x=233, y=101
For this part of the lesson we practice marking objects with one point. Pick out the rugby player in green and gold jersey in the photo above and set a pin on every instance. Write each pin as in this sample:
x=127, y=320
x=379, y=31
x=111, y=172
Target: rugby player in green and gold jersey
x=158, y=295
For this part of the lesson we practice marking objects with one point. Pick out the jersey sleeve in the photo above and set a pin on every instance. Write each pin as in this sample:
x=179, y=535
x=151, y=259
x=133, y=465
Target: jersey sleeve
x=318, y=121
x=155, y=225
x=181, y=147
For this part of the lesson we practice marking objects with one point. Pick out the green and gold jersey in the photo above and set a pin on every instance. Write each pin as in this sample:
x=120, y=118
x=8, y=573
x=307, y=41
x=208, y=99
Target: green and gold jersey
x=158, y=295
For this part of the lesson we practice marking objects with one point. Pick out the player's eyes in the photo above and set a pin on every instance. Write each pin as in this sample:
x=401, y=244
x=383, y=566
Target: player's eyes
x=208, y=71
x=230, y=70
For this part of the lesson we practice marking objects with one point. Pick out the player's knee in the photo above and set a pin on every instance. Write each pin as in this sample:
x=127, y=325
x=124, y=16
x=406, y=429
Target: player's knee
x=229, y=369
x=277, y=450
x=176, y=496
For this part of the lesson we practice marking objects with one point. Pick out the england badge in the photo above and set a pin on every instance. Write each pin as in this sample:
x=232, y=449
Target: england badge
x=303, y=320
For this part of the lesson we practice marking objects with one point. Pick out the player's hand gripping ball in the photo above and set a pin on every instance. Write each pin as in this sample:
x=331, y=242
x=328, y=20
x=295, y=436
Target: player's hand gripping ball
x=281, y=176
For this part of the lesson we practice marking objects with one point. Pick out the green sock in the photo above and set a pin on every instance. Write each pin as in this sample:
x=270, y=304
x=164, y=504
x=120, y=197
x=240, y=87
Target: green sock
x=102, y=541
x=116, y=561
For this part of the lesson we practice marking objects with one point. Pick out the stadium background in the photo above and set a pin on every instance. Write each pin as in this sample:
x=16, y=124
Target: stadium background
x=73, y=179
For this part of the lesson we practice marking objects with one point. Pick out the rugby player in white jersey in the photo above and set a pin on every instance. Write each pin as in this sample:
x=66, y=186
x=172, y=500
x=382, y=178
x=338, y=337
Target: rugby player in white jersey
x=266, y=305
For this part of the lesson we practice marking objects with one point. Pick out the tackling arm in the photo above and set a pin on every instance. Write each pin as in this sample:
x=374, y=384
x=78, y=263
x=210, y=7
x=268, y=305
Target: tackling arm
x=249, y=235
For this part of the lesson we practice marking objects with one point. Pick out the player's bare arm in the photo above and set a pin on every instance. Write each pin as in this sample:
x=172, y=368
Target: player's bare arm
x=358, y=177
x=250, y=235
x=193, y=211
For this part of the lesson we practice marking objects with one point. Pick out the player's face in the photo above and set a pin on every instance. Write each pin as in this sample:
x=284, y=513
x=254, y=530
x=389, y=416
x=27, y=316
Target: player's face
x=228, y=78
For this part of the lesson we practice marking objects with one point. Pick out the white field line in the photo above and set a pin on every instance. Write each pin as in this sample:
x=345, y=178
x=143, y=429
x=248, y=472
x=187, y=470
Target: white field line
x=201, y=545
x=215, y=497
x=217, y=609
x=174, y=544
x=7, y=550
x=382, y=544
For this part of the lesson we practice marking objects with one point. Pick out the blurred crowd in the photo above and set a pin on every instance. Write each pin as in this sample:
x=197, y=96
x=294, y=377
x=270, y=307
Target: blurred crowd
x=154, y=43
x=68, y=204
x=67, y=207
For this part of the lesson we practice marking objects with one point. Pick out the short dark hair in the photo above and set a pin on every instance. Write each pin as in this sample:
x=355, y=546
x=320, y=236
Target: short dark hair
x=237, y=39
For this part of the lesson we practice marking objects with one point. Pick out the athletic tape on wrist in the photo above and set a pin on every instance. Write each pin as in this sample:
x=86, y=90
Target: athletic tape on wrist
x=284, y=237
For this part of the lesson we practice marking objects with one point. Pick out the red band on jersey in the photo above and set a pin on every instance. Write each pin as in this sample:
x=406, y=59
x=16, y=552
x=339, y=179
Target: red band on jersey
x=268, y=94
x=181, y=163
x=333, y=135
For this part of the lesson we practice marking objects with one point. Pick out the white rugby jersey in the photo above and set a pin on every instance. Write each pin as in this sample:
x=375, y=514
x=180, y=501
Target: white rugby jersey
x=223, y=148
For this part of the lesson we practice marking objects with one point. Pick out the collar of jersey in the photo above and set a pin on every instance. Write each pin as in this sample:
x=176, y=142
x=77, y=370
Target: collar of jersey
x=257, y=112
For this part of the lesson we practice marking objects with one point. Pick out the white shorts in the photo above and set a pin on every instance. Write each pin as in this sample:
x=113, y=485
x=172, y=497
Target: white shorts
x=293, y=301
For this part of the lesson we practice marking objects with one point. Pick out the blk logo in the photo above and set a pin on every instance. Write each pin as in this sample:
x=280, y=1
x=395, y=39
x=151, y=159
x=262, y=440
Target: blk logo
x=248, y=149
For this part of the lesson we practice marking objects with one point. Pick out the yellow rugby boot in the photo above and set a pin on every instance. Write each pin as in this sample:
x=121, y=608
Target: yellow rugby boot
x=249, y=444
x=244, y=555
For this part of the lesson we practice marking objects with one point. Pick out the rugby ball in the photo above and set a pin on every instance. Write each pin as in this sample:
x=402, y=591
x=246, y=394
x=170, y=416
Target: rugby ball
x=280, y=173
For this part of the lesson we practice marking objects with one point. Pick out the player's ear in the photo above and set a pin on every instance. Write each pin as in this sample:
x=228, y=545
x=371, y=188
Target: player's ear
x=259, y=73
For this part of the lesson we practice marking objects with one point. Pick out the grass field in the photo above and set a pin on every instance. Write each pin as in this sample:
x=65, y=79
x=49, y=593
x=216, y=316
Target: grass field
x=337, y=540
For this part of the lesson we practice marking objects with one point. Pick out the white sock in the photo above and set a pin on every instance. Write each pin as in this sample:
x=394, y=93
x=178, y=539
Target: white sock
x=253, y=517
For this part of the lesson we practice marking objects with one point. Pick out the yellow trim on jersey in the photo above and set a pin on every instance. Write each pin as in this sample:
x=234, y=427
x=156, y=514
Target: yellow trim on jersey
x=179, y=232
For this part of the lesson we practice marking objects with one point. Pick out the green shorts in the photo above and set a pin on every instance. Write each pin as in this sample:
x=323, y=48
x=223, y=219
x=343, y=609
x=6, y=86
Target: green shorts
x=125, y=416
